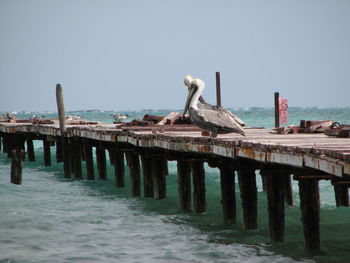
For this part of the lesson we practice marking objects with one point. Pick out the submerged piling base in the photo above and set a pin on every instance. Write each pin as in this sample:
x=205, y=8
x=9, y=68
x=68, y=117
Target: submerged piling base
x=16, y=166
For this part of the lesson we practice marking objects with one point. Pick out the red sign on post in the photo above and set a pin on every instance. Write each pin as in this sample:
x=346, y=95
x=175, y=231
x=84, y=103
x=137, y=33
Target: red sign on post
x=283, y=110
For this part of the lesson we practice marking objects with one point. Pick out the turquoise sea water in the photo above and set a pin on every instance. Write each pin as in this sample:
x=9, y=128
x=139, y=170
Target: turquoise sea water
x=52, y=219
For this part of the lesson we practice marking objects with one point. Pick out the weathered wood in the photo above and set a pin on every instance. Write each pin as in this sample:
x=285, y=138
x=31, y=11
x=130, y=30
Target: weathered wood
x=0, y=143
x=228, y=195
x=66, y=159
x=77, y=158
x=247, y=185
x=147, y=176
x=70, y=147
x=120, y=169
x=89, y=161
x=310, y=210
x=59, y=151
x=198, y=181
x=263, y=181
x=341, y=195
x=62, y=125
x=16, y=166
x=134, y=165
x=5, y=143
x=275, y=203
x=47, y=152
x=184, y=184
x=287, y=187
x=30, y=150
x=159, y=179
x=101, y=162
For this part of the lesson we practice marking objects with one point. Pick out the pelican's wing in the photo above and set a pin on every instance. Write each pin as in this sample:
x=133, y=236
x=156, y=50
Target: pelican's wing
x=221, y=119
x=206, y=106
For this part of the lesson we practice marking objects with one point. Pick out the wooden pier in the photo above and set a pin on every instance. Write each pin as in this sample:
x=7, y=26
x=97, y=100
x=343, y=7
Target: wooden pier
x=280, y=158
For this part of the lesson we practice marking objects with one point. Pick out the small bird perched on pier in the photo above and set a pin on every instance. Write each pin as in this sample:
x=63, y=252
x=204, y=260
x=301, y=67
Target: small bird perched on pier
x=206, y=116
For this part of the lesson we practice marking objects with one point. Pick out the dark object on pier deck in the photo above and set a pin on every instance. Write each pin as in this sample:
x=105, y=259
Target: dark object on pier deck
x=313, y=126
x=152, y=118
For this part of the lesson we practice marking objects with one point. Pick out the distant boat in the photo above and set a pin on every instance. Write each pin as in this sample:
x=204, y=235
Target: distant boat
x=120, y=117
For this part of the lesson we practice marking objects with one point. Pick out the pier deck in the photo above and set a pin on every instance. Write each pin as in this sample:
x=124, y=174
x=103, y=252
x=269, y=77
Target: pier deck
x=308, y=157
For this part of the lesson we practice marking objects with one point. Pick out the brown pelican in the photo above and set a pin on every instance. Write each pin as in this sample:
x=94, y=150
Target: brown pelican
x=204, y=105
x=209, y=117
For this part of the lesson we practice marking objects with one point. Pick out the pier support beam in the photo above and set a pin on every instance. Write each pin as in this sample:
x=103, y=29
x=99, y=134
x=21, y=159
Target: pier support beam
x=147, y=176
x=134, y=165
x=275, y=202
x=59, y=151
x=249, y=197
x=16, y=166
x=287, y=187
x=198, y=181
x=89, y=161
x=341, y=195
x=228, y=195
x=77, y=158
x=184, y=184
x=47, y=152
x=101, y=161
x=310, y=210
x=30, y=150
x=119, y=158
x=66, y=155
x=159, y=179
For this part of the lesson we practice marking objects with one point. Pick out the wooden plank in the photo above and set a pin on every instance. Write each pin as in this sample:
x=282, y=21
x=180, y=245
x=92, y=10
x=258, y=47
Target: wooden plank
x=280, y=158
x=251, y=154
x=323, y=165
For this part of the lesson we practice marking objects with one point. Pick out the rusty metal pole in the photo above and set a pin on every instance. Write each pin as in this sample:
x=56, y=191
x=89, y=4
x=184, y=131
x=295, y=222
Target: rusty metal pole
x=277, y=112
x=218, y=89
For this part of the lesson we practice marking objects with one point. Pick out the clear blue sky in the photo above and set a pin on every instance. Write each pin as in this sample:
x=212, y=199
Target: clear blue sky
x=133, y=54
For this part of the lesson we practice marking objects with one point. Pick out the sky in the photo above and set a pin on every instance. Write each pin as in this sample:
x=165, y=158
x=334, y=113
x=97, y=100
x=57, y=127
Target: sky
x=133, y=54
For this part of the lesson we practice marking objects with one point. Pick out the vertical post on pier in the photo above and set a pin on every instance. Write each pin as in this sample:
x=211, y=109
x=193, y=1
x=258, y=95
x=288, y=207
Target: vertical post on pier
x=147, y=176
x=184, y=181
x=119, y=158
x=341, y=195
x=135, y=174
x=101, y=161
x=277, y=112
x=47, y=152
x=198, y=181
x=77, y=158
x=16, y=166
x=218, y=89
x=249, y=196
x=89, y=161
x=62, y=123
x=159, y=179
x=30, y=149
x=228, y=195
x=310, y=212
x=275, y=202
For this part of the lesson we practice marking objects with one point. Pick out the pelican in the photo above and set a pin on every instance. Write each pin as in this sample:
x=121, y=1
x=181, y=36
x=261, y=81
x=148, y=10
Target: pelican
x=209, y=117
x=204, y=105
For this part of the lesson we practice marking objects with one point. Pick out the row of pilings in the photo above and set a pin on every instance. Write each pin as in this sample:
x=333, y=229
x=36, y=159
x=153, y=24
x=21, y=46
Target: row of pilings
x=191, y=178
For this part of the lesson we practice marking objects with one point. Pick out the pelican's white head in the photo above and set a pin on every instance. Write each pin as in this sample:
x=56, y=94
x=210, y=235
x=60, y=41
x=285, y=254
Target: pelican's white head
x=188, y=80
x=194, y=92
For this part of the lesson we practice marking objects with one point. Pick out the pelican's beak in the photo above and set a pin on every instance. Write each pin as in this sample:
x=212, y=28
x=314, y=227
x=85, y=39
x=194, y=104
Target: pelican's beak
x=191, y=91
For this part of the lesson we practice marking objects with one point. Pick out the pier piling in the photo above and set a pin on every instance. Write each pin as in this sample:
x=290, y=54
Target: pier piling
x=249, y=197
x=30, y=149
x=119, y=158
x=101, y=161
x=228, y=195
x=89, y=161
x=16, y=166
x=184, y=184
x=77, y=158
x=134, y=165
x=147, y=176
x=275, y=202
x=198, y=181
x=159, y=179
x=341, y=195
x=310, y=210
x=47, y=152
